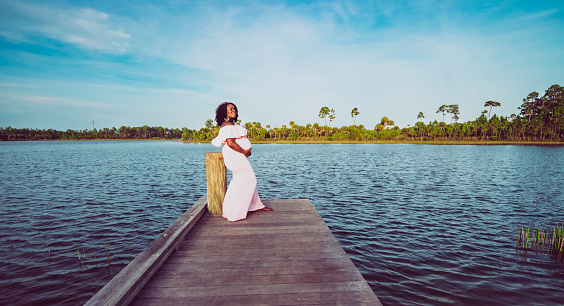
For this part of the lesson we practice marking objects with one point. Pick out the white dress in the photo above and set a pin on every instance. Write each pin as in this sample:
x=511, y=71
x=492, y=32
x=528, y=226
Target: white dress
x=241, y=196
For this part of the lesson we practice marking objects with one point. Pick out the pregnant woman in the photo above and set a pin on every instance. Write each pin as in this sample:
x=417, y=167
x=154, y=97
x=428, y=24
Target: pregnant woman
x=241, y=196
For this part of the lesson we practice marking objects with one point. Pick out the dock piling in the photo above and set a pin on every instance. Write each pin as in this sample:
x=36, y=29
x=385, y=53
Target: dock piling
x=216, y=176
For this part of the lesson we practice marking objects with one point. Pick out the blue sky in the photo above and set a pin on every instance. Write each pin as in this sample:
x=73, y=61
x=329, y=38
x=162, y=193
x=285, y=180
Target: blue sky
x=64, y=64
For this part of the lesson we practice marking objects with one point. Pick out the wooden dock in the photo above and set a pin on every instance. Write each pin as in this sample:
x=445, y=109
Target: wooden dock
x=283, y=257
x=287, y=257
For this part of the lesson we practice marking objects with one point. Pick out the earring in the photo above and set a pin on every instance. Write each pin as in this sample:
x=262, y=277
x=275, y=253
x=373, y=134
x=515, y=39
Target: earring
x=225, y=119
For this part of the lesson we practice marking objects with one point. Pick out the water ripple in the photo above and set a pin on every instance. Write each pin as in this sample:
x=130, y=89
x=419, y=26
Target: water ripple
x=424, y=224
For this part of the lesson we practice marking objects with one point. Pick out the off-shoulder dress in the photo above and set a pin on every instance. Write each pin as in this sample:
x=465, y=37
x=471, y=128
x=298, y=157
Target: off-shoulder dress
x=241, y=196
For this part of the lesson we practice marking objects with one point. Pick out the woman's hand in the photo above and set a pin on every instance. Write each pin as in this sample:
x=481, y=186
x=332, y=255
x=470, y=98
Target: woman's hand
x=233, y=145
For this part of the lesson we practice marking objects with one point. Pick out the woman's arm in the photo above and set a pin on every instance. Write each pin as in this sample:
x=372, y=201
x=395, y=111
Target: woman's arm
x=233, y=145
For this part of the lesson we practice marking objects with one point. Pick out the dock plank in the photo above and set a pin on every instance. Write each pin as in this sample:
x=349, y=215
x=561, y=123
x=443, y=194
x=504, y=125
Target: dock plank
x=288, y=257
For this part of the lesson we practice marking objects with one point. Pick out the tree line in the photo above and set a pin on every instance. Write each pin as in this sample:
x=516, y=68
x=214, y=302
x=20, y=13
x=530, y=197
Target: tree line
x=540, y=118
x=124, y=132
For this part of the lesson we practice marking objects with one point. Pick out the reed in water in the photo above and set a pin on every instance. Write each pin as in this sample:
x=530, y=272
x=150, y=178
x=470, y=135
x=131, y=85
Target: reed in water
x=550, y=240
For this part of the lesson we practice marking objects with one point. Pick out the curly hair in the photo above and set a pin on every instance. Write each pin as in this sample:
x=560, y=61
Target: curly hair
x=221, y=113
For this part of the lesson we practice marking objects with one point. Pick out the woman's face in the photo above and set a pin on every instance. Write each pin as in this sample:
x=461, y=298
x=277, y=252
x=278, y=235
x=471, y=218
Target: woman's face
x=231, y=111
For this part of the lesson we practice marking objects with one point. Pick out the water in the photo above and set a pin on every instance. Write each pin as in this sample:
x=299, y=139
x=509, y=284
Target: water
x=424, y=224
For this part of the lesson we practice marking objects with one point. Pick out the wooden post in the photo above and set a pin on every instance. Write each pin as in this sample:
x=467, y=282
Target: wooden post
x=216, y=177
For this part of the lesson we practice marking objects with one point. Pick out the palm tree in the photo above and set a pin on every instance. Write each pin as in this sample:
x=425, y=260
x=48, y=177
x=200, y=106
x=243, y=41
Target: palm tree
x=379, y=128
x=316, y=129
x=257, y=126
x=384, y=121
x=442, y=126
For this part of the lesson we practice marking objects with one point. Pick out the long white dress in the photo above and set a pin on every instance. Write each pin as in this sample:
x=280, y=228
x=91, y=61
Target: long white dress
x=241, y=196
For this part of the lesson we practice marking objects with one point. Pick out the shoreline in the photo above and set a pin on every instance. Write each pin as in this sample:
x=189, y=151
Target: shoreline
x=416, y=142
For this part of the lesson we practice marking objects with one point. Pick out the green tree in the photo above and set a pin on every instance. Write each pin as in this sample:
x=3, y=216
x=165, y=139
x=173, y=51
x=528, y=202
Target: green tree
x=553, y=108
x=354, y=113
x=491, y=104
x=209, y=124
x=384, y=121
x=420, y=129
x=324, y=112
x=316, y=129
x=331, y=116
x=529, y=104
x=379, y=128
x=482, y=123
x=443, y=109
x=454, y=111
x=257, y=126
x=420, y=116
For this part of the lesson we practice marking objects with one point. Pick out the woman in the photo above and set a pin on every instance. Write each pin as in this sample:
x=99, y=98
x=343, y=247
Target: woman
x=241, y=196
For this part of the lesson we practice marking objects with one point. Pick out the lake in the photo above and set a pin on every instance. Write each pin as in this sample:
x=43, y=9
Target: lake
x=425, y=225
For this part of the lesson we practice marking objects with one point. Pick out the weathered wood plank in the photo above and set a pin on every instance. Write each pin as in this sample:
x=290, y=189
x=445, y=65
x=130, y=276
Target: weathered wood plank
x=271, y=253
x=315, y=298
x=288, y=256
x=121, y=289
x=170, y=279
x=245, y=242
x=250, y=264
x=198, y=270
x=250, y=290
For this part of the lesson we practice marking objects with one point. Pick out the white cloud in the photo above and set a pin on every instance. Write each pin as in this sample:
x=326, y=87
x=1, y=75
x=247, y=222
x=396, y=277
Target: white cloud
x=28, y=101
x=283, y=60
x=281, y=63
x=280, y=59
x=84, y=27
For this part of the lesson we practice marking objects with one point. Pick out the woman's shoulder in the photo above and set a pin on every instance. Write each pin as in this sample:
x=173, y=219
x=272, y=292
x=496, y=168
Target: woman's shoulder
x=226, y=124
x=227, y=128
x=232, y=126
x=233, y=131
